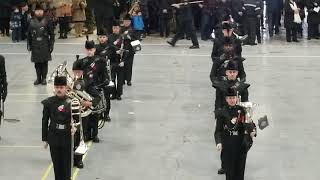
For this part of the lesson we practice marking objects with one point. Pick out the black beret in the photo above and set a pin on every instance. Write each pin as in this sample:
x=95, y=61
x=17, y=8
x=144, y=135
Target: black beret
x=38, y=7
x=103, y=32
x=232, y=65
x=231, y=92
x=127, y=17
x=89, y=44
x=227, y=26
x=77, y=65
x=60, y=81
x=116, y=23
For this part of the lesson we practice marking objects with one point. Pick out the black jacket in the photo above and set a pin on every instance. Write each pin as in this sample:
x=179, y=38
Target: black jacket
x=104, y=50
x=288, y=14
x=104, y=8
x=56, y=111
x=218, y=71
x=94, y=70
x=218, y=42
x=252, y=8
x=224, y=124
x=3, y=79
x=232, y=119
x=5, y=8
x=222, y=88
x=40, y=39
x=115, y=42
x=313, y=17
x=165, y=5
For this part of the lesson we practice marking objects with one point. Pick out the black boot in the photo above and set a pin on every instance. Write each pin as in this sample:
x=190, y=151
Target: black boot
x=44, y=82
x=37, y=82
x=171, y=43
x=95, y=139
x=194, y=47
x=221, y=171
x=79, y=164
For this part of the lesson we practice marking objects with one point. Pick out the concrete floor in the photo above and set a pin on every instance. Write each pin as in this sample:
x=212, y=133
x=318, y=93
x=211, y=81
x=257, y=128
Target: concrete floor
x=163, y=128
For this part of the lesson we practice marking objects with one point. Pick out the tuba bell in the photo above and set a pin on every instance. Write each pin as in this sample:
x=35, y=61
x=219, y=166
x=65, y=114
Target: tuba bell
x=72, y=93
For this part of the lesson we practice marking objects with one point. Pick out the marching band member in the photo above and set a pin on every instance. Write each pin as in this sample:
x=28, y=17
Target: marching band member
x=3, y=82
x=57, y=129
x=234, y=136
x=231, y=72
x=93, y=69
x=104, y=50
x=117, y=61
x=129, y=36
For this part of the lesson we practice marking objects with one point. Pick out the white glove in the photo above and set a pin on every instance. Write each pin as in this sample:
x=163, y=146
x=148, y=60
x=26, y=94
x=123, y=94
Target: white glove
x=219, y=147
x=121, y=64
x=213, y=35
x=45, y=144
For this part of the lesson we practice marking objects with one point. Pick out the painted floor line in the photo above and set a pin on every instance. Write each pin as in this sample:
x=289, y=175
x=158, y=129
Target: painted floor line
x=75, y=170
x=20, y=146
x=206, y=44
x=178, y=55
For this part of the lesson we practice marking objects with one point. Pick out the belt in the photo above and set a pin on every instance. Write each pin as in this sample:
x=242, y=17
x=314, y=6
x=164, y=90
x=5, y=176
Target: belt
x=232, y=133
x=61, y=126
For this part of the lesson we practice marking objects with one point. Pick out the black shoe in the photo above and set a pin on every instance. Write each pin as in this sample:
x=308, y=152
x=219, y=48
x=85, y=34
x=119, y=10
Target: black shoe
x=44, y=82
x=60, y=37
x=295, y=40
x=171, y=43
x=309, y=38
x=221, y=171
x=288, y=40
x=317, y=38
x=37, y=82
x=259, y=41
x=253, y=44
x=194, y=47
x=79, y=164
x=129, y=83
x=119, y=98
x=108, y=119
x=113, y=97
x=86, y=139
x=96, y=139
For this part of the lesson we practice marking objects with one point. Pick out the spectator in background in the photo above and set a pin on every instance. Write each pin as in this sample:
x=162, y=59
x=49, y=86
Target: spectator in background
x=64, y=14
x=274, y=8
x=50, y=12
x=5, y=11
x=78, y=15
x=137, y=20
x=15, y=24
x=313, y=7
x=291, y=20
x=165, y=14
x=104, y=12
x=208, y=20
x=25, y=20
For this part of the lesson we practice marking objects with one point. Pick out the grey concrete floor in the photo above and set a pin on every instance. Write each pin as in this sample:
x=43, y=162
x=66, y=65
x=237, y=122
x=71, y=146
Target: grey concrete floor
x=163, y=128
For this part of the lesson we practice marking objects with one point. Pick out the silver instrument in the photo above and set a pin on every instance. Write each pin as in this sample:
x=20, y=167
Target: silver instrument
x=82, y=96
x=76, y=113
x=249, y=116
x=185, y=3
x=111, y=83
